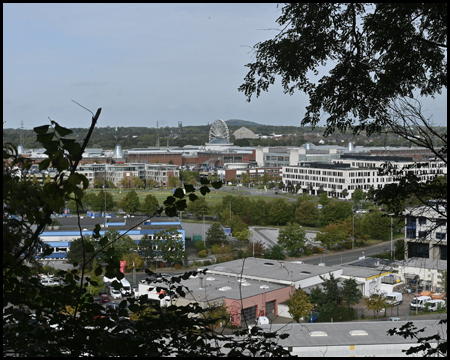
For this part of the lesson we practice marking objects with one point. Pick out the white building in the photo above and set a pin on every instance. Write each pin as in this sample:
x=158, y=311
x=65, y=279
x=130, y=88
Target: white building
x=351, y=172
x=426, y=231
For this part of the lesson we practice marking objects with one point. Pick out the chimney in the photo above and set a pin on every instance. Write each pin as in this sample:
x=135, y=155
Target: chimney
x=200, y=280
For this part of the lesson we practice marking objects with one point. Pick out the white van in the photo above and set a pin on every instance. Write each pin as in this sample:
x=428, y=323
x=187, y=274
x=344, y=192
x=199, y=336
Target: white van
x=394, y=298
x=125, y=290
x=419, y=302
x=434, y=305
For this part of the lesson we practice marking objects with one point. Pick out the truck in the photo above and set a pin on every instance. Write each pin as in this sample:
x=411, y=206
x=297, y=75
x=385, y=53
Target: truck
x=394, y=298
x=418, y=303
x=434, y=305
x=125, y=290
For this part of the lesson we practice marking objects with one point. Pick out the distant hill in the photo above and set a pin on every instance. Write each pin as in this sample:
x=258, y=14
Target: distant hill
x=237, y=122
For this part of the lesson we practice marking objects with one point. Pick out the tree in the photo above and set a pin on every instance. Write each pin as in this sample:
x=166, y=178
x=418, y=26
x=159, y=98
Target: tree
x=376, y=303
x=215, y=234
x=122, y=245
x=150, y=204
x=307, y=213
x=299, y=305
x=81, y=331
x=323, y=199
x=199, y=207
x=335, y=211
x=137, y=182
x=133, y=257
x=350, y=293
x=358, y=195
x=377, y=225
x=80, y=253
x=279, y=212
x=101, y=198
x=245, y=179
x=256, y=249
x=275, y=252
x=173, y=181
x=147, y=248
x=334, y=235
x=367, y=53
x=130, y=202
x=170, y=246
x=151, y=183
x=293, y=239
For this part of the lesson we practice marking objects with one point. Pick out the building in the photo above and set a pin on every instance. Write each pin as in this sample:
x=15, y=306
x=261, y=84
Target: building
x=353, y=339
x=426, y=231
x=61, y=236
x=244, y=133
x=351, y=172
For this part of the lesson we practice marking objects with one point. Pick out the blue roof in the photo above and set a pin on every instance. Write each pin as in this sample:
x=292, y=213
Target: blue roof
x=58, y=243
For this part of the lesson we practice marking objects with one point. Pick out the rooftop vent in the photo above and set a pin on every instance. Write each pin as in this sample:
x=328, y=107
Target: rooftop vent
x=245, y=284
x=317, y=333
x=225, y=288
x=210, y=278
x=264, y=287
x=358, y=332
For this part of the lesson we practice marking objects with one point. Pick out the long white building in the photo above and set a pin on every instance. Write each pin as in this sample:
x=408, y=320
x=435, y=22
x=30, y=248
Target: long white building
x=351, y=172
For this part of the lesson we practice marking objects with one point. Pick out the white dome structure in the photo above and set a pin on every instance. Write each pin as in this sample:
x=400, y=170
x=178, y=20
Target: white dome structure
x=118, y=152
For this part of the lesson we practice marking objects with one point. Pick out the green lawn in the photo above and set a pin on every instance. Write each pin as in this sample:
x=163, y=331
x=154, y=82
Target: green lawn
x=214, y=197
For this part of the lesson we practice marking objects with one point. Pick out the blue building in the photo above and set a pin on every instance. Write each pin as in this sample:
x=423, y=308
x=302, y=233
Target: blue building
x=60, y=237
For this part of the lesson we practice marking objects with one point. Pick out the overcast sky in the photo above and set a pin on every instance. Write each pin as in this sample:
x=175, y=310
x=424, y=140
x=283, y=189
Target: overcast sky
x=141, y=63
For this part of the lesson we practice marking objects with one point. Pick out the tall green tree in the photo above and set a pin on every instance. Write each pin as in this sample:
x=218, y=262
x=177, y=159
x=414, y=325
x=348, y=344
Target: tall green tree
x=293, y=239
x=147, y=248
x=122, y=245
x=215, y=235
x=150, y=204
x=81, y=252
x=130, y=202
x=170, y=246
x=279, y=212
x=377, y=224
x=199, y=207
x=335, y=211
x=275, y=252
x=299, y=305
x=350, y=292
x=307, y=213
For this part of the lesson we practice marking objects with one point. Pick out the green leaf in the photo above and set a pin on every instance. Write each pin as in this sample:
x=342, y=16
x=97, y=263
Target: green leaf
x=103, y=241
x=189, y=188
x=204, y=190
x=89, y=247
x=179, y=193
x=110, y=252
x=44, y=164
x=61, y=130
x=98, y=271
x=169, y=201
x=171, y=212
x=204, y=181
x=96, y=232
x=193, y=197
x=216, y=184
x=181, y=205
x=45, y=138
x=41, y=129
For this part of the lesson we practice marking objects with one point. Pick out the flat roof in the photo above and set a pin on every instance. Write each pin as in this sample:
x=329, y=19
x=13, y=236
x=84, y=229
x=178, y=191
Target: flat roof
x=436, y=264
x=235, y=290
x=270, y=270
x=338, y=333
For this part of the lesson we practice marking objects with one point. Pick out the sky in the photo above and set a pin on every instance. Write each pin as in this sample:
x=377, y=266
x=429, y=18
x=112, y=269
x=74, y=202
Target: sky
x=142, y=64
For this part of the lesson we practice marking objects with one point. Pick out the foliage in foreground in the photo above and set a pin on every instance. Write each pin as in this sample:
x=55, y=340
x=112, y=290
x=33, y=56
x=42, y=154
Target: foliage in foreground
x=63, y=320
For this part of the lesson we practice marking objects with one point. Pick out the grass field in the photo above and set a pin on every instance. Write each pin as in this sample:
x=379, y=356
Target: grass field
x=212, y=198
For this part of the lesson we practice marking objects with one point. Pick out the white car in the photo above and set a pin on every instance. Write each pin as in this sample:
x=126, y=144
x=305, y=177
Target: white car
x=49, y=282
x=115, y=294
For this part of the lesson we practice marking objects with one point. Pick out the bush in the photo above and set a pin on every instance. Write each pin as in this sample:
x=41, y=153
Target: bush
x=207, y=263
x=177, y=266
x=215, y=249
x=200, y=245
x=202, y=253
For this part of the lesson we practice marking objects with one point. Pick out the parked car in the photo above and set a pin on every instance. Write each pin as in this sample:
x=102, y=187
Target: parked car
x=105, y=298
x=49, y=282
x=115, y=294
x=97, y=300
x=112, y=306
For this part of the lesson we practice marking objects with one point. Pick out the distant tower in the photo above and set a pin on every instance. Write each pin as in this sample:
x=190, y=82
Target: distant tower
x=180, y=128
x=157, y=134
x=21, y=137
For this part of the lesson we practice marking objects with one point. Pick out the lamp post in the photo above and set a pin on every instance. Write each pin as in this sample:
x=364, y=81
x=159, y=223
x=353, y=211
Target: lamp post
x=392, y=236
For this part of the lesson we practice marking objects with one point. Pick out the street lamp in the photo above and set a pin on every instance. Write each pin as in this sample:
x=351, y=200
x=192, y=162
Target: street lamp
x=392, y=236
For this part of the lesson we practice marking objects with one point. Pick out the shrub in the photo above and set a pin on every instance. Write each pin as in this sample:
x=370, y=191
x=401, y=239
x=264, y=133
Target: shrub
x=202, y=253
x=215, y=249
x=207, y=263
x=200, y=245
x=177, y=266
